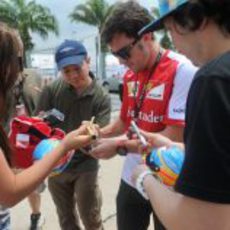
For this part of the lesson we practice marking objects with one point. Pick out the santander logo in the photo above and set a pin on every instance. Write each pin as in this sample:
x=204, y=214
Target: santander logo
x=147, y=117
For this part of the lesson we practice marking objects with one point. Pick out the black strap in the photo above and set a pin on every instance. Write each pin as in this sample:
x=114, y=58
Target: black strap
x=140, y=100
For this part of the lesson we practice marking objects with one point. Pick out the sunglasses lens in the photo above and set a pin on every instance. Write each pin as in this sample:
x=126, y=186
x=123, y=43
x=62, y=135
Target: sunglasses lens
x=123, y=53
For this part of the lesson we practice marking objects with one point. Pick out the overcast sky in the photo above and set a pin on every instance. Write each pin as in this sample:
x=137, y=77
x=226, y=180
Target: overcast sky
x=61, y=9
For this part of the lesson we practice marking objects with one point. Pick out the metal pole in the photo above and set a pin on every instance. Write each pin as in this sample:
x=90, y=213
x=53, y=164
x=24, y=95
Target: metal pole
x=96, y=59
x=99, y=56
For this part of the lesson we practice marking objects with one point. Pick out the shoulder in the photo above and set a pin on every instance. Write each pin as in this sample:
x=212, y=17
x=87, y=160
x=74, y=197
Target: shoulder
x=185, y=70
x=213, y=76
x=217, y=68
x=55, y=88
x=184, y=65
x=57, y=84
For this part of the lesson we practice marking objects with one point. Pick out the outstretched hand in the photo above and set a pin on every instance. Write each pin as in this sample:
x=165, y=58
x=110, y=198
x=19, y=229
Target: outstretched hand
x=153, y=140
x=92, y=128
x=77, y=139
x=156, y=140
x=104, y=148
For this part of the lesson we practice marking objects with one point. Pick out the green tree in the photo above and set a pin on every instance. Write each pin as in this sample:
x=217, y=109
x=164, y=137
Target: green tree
x=28, y=17
x=165, y=40
x=94, y=12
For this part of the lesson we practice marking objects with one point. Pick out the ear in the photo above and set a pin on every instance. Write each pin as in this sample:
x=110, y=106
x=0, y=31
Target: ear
x=148, y=36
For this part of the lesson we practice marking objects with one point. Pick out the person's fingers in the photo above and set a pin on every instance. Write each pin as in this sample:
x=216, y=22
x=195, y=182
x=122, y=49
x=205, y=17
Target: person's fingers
x=75, y=141
x=145, y=149
x=81, y=130
x=96, y=126
x=85, y=122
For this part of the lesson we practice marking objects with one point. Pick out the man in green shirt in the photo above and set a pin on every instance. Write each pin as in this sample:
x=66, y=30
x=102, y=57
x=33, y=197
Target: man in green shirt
x=78, y=96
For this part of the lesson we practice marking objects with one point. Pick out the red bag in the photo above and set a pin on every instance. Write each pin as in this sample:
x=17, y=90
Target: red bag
x=25, y=134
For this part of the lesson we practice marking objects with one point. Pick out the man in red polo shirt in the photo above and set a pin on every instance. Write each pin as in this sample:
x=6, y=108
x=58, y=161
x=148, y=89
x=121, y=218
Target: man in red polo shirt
x=155, y=93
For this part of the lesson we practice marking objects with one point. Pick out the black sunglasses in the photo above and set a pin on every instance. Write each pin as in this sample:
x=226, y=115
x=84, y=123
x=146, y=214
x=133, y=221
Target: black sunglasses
x=124, y=52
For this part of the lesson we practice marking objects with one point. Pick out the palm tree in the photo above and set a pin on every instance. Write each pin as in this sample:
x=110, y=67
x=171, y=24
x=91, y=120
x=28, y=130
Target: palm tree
x=165, y=40
x=28, y=17
x=94, y=12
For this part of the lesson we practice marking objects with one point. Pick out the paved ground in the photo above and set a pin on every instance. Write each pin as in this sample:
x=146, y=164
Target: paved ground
x=109, y=178
x=109, y=181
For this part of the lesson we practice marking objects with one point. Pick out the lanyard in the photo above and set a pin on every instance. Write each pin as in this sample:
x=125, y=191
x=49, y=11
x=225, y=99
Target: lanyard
x=139, y=102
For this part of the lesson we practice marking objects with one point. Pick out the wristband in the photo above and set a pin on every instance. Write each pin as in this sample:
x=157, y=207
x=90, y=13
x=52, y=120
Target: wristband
x=122, y=151
x=139, y=183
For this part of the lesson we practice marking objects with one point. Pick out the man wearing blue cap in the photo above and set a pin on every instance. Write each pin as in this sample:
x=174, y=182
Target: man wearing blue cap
x=201, y=30
x=78, y=96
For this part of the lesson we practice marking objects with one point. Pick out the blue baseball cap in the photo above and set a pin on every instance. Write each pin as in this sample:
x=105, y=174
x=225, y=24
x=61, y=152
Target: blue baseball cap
x=70, y=52
x=166, y=7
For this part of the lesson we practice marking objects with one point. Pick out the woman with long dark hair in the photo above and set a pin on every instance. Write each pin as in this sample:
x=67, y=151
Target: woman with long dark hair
x=15, y=187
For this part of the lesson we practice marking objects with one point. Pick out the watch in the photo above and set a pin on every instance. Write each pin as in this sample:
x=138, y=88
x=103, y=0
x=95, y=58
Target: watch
x=122, y=150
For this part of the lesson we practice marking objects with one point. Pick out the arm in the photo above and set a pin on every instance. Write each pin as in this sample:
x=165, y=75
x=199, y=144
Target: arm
x=171, y=135
x=117, y=127
x=16, y=187
x=209, y=208
x=174, y=133
x=113, y=129
x=181, y=212
x=175, y=114
x=106, y=146
x=155, y=140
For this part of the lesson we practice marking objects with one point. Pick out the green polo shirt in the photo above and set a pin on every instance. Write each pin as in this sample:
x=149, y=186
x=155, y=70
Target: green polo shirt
x=94, y=101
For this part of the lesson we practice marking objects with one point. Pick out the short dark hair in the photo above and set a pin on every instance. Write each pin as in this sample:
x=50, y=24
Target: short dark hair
x=127, y=18
x=191, y=15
